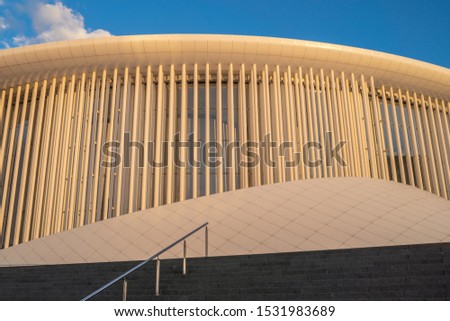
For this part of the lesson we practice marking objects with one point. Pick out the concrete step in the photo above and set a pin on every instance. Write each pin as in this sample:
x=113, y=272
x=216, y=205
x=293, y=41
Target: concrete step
x=413, y=272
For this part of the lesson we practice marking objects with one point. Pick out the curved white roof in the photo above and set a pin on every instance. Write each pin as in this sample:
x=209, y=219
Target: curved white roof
x=319, y=214
x=34, y=62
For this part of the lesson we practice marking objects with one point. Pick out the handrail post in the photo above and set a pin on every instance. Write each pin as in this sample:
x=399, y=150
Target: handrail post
x=206, y=241
x=158, y=264
x=153, y=257
x=124, y=289
x=184, y=257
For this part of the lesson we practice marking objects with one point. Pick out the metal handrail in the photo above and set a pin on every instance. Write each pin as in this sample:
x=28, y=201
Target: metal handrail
x=155, y=256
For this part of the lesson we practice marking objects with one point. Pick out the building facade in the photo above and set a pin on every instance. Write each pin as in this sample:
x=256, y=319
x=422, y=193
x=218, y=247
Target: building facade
x=98, y=128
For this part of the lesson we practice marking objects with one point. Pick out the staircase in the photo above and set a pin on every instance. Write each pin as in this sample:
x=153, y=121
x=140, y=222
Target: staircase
x=412, y=272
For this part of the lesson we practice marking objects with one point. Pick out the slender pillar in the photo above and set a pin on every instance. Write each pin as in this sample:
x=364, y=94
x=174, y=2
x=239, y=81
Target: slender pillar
x=107, y=204
x=123, y=118
x=230, y=121
x=158, y=157
x=183, y=136
x=98, y=145
x=33, y=167
x=7, y=201
x=25, y=177
x=207, y=128
x=406, y=140
x=195, y=150
x=219, y=139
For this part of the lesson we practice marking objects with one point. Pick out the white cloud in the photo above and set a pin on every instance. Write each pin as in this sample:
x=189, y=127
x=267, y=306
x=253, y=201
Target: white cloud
x=55, y=22
x=3, y=24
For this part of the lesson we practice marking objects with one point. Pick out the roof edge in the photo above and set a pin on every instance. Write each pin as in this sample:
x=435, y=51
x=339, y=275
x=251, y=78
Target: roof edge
x=117, y=51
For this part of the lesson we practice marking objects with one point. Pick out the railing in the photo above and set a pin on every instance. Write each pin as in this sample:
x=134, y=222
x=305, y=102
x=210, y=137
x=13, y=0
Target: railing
x=158, y=264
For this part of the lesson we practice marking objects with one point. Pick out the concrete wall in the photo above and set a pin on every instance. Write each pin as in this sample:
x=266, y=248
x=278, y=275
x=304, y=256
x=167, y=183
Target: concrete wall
x=413, y=272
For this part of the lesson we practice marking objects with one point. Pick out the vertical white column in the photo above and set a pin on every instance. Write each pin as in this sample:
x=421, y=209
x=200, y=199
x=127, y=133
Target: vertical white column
x=353, y=145
x=358, y=127
x=60, y=155
x=443, y=149
x=323, y=120
x=305, y=124
x=84, y=178
x=158, y=156
x=430, y=152
x=152, y=135
x=98, y=146
x=195, y=150
x=311, y=154
x=243, y=123
x=53, y=162
x=102, y=173
x=293, y=123
x=389, y=135
x=239, y=131
x=273, y=127
x=352, y=129
x=369, y=129
x=446, y=121
x=12, y=189
x=315, y=122
x=2, y=112
x=300, y=120
x=415, y=155
x=406, y=139
x=383, y=138
x=288, y=117
x=65, y=152
x=279, y=125
x=423, y=149
x=268, y=126
x=437, y=149
x=24, y=175
x=170, y=139
x=219, y=169
x=128, y=129
x=320, y=127
x=140, y=137
x=230, y=112
x=397, y=137
x=34, y=162
x=380, y=145
x=183, y=136
x=146, y=139
x=331, y=121
x=132, y=199
x=43, y=168
x=336, y=110
x=447, y=118
x=207, y=129
x=72, y=152
x=349, y=169
x=366, y=135
x=340, y=114
x=76, y=147
x=255, y=121
x=109, y=139
x=123, y=117
x=251, y=126
x=6, y=132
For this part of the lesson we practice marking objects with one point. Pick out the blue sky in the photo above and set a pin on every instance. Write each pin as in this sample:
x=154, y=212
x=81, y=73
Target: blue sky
x=415, y=29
